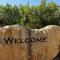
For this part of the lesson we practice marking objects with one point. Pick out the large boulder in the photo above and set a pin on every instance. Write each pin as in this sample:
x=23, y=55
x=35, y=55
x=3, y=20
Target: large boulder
x=18, y=43
x=49, y=48
x=12, y=50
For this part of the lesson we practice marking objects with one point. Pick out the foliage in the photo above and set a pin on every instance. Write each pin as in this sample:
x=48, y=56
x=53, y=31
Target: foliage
x=30, y=16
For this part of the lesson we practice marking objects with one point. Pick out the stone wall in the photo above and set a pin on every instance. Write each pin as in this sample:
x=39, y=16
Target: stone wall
x=18, y=43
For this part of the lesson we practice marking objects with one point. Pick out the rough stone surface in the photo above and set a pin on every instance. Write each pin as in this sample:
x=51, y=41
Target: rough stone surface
x=46, y=50
x=40, y=50
x=12, y=51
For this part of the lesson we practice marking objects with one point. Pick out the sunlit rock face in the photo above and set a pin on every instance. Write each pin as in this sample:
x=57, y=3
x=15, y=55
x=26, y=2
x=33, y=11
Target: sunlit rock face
x=14, y=50
x=18, y=43
x=48, y=49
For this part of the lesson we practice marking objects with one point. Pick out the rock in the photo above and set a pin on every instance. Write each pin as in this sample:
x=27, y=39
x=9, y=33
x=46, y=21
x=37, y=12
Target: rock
x=17, y=43
x=12, y=51
x=46, y=50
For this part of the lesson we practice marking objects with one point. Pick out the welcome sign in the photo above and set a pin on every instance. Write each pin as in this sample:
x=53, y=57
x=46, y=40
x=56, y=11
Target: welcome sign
x=18, y=43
